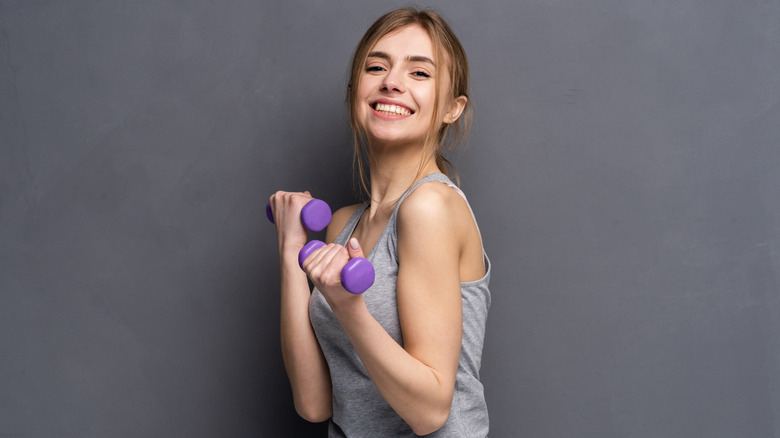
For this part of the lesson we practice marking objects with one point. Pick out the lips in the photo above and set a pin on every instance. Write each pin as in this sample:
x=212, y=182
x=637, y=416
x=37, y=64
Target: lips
x=391, y=109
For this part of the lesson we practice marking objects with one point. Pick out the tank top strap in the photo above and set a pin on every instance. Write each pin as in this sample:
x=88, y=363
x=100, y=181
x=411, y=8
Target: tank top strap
x=350, y=226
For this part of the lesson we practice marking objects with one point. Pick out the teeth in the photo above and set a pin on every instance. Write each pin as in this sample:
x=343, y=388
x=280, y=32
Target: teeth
x=392, y=109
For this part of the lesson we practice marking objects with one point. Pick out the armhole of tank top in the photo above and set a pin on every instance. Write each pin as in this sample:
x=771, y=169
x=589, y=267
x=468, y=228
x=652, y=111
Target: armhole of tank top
x=473, y=217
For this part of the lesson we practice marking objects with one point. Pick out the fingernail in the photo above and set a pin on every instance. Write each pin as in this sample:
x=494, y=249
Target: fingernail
x=353, y=243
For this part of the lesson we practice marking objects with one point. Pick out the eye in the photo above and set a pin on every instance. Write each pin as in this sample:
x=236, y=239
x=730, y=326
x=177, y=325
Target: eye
x=421, y=74
x=374, y=68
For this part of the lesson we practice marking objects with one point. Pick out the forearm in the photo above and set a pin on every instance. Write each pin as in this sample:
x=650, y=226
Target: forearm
x=420, y=394
x=306, y=366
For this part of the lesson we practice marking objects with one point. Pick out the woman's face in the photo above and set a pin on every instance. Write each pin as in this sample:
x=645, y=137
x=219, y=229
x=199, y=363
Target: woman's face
x=397, y=88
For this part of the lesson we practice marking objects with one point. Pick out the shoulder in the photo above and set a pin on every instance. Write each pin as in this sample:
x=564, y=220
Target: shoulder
x=433, y=210
x=339, y=220
x=432, y=203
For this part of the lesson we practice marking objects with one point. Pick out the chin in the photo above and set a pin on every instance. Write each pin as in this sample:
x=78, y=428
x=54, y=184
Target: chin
x=395, y=137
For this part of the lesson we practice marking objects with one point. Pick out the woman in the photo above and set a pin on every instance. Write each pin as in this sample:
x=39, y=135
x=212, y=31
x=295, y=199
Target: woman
x=403, y=358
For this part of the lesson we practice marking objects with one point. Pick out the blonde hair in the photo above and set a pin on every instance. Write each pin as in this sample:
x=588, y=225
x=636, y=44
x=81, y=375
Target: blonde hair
x=446, y=48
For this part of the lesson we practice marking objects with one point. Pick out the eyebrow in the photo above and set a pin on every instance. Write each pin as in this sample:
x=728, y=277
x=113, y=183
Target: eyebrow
x=414, y=58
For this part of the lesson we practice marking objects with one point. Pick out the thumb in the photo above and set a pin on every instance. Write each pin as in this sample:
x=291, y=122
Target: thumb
x=354, y=249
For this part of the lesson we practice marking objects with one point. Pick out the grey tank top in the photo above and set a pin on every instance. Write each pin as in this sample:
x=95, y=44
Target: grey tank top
x=359, y=410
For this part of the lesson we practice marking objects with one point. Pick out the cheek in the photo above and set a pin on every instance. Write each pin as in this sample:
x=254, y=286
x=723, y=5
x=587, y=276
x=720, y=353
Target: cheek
x=428, y=102
x=363, y=93
x=359, y=105
x=367, y=83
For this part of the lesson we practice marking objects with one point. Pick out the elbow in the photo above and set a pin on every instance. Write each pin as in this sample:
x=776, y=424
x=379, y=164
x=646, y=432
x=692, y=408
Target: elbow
x=312, y=413
x=431, y=422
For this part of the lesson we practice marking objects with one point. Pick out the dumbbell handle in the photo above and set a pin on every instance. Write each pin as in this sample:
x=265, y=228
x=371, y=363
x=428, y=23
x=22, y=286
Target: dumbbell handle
x=315, y=215
x=356, y=276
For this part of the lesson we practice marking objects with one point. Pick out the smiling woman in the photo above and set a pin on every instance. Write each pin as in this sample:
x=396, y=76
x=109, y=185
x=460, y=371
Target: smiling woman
x=398, y=96
x=403, y=358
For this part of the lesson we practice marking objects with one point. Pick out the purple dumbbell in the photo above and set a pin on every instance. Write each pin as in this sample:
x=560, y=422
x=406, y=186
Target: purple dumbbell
x=356, y=276
x=315, y=215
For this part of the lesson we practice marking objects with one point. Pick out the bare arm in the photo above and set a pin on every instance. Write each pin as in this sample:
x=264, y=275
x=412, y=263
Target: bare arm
x=306, y=367
x=417, y=380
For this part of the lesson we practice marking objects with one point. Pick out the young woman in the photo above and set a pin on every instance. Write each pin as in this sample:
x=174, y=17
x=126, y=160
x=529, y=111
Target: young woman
x=403, y=358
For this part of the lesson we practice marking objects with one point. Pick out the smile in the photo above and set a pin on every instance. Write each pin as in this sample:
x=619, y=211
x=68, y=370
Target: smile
x=391, y=110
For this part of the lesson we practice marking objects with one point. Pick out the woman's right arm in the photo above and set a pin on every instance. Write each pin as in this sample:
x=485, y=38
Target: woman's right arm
x=306, y=366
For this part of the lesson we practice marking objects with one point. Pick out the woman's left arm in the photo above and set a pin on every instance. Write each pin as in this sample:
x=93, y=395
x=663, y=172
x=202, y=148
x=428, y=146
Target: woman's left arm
x=418, y=379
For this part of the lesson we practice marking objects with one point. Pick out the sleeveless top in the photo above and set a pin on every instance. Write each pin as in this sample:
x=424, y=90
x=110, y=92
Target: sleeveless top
x=359, y=410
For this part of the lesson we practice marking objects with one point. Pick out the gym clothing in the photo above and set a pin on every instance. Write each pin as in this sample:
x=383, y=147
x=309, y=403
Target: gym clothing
x=359, y=410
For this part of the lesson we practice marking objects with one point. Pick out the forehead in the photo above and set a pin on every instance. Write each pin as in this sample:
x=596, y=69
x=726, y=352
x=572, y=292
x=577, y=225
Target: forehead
x=407, y=41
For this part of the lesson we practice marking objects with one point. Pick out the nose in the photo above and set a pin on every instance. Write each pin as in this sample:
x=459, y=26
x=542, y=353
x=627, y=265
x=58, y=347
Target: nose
x=393, y=82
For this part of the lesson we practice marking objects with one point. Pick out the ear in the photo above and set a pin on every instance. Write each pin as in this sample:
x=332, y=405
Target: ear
x=456, y=108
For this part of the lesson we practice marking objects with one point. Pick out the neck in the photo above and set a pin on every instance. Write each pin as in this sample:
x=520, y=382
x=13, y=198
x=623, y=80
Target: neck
x=393, y=171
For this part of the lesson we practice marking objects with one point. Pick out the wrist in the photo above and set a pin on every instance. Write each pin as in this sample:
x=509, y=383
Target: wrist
x=289, y=247
x=288, y=256
x=348, y=308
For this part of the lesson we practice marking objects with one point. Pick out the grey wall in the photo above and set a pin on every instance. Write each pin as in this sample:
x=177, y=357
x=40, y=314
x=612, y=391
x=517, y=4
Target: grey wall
x=623, y=167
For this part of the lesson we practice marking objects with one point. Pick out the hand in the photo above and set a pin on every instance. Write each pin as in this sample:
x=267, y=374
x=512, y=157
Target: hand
x=324, y=268
x=286, y=208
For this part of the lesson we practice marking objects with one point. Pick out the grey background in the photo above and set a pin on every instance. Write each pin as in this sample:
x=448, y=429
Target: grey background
x=623, y=167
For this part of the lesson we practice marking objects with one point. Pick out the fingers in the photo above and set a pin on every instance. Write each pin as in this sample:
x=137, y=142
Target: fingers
x=288, y=197
x=324, y=265
x=354, y=249
x=284, y=210
x=272, y=204
x=287, y=203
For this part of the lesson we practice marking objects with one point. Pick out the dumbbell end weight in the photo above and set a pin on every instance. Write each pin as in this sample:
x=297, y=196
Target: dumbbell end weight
x=307, y=249
x=357, y=275
x=316, y=215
